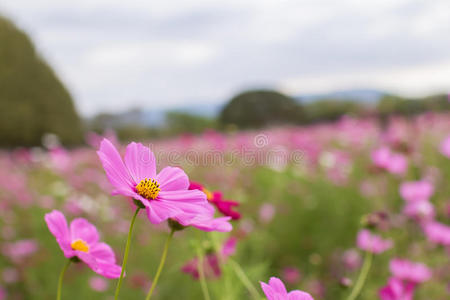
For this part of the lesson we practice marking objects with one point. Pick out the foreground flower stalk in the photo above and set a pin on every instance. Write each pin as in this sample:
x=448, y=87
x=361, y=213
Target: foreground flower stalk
x=161, y=265
x=60, y=280
x=244, y=279
x=125, y=255
x=201, y=273
x=362, y=276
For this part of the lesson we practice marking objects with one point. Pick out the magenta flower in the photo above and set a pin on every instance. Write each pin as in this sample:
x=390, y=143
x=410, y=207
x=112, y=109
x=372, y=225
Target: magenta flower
x=422, y=210
x=371, y=242
x=397, y=289
x=81, y=240
x=98, y=284
x=216, y=198
x=445, y=146
x=394, y=163
x=165, y=195
x=20, y=250
x=409, y=271
x=211, y=264
x=276, y=290
x=437, y=233
x=291, y=275
x=416, y=191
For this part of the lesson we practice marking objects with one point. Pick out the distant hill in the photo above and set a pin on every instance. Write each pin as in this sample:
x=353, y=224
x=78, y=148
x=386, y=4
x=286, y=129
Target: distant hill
x=33, y=101
x=157, y=117
x=363, y=95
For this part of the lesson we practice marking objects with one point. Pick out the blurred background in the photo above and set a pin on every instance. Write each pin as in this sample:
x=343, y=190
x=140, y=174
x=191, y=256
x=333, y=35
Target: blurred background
x=152, y=69
x=330, y=81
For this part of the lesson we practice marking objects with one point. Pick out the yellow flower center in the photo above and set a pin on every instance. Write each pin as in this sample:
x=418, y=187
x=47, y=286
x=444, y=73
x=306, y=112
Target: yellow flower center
x=148, y=188
x=209, y=195
x=80, y=245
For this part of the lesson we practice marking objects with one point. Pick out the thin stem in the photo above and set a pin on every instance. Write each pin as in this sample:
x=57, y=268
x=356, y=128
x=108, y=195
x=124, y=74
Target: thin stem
x=201, y=273
x=244, y=279
x=362, y=276
x=60, y=280
x=161, y=265
x=125, y=256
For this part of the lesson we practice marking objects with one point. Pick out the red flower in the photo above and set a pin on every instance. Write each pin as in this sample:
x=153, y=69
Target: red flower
x=224, y=206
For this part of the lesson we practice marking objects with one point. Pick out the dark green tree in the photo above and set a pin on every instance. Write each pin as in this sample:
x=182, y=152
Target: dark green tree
x=33, y=101
x=260, y=108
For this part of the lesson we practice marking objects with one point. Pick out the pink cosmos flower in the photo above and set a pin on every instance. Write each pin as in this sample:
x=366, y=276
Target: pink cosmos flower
x=445, y=146
x=98, y=284
x=3, y=293
x=276, y=290
x=437, y=233
x=211, y=265
x=409, y=271
x=266, y=212
x=416, y=191
x=351, y=259
x=394, y=163
x=216, y=198
x=165, y=195
x=81, y=240
x=19, y=250
x=422, y=210
x=291, y=275
x=371, y=242
x=397, y=164
x=397, y=289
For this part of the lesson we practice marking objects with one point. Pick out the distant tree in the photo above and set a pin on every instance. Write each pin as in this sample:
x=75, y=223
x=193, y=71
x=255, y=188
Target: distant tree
x=32, y=99
x=260, y=108
x=390, y=104
x=179, y=122
x=331, y=109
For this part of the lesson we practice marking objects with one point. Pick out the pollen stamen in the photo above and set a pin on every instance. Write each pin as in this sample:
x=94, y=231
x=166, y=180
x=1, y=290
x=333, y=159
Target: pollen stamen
x=148, y=188
x=80, y=245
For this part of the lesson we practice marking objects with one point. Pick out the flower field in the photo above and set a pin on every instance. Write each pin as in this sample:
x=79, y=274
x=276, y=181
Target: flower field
x=355, y=209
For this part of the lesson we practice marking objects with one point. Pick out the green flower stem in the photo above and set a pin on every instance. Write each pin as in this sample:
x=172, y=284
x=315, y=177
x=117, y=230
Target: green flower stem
x=60, y=280
x=362, y=276
x=201, y=273
x=244, y=279
x=125, y=256
x=161, y=265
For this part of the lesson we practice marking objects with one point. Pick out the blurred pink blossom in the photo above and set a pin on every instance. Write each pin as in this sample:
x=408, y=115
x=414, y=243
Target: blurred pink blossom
x=98, y=284
x=10, y=275
x=19, y=250
x=445, y=146
x=396, y=289
x=409, y=271
x=291, y=275
x=415, y=191
x=266, y=212
x=351, y=259
x=437, y=233
x=371, y=242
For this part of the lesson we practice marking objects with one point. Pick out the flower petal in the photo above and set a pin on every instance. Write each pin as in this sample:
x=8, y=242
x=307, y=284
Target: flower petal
x=57, y=225
x=104, y=252
x=88, y=259
x=158, y=211
x=140, y=162
x=268, y=291
x=277, y=285
x=172, y=179
x=299, y=295
x=81, y=229
x=114, y=167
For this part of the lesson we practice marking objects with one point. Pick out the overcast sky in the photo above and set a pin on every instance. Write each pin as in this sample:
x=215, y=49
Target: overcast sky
x=115, y=55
